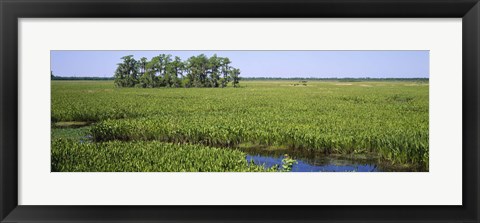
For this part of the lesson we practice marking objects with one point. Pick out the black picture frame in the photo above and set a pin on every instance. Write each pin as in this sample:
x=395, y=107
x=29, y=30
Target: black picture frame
x=12, y=10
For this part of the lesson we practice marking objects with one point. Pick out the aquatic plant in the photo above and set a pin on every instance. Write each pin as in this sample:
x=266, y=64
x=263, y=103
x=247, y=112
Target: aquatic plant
x=115, y=156
x=287, y=163
x=389, y=119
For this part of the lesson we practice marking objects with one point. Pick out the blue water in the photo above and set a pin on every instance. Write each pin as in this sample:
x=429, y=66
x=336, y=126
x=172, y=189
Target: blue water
x=303, y=166
x=86, y=139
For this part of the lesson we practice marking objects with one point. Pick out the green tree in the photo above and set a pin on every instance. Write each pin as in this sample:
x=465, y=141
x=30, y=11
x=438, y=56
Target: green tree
x=126, y=72
x=149, y=78
x=163, y=71
x=143, y=65
x=197, y=70
x=214, y=64
x=235, y=75
x=164, y=68
x=178, y=67
x=225, y=67
x=202, y=63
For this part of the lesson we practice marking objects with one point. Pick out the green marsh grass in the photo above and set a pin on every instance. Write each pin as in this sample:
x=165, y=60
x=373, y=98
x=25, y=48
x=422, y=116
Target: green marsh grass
x=388, y=118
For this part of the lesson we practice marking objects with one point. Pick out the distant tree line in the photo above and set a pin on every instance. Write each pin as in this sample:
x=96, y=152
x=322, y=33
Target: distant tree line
x=60, y=78
x=166, y=71
x=346, y=79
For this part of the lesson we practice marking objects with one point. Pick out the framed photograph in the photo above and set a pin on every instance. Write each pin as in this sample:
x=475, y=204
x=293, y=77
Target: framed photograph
x=227, y=111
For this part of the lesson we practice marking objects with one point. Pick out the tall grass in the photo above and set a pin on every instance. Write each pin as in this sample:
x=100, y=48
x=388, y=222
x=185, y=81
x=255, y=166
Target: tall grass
x=154, y=156
x=387, y=118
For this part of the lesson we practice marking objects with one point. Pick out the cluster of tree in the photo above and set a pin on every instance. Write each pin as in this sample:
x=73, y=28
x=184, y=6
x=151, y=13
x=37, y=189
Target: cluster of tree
x=166, y=71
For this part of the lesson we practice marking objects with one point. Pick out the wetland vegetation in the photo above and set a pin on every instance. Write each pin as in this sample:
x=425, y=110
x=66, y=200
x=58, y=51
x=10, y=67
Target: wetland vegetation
x=366, y=125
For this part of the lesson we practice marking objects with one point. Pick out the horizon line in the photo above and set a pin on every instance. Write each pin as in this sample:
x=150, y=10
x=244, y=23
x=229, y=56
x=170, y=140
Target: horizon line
x=277, y=77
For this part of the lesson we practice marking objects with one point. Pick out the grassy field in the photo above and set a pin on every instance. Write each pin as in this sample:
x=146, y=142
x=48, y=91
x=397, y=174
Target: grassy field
x=199, y=129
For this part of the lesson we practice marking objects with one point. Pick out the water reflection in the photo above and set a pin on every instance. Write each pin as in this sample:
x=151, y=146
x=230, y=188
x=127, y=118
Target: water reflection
x=324, y=165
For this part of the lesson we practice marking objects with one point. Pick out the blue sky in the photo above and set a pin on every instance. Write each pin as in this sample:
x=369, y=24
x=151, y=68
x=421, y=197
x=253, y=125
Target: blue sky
x=319, y=64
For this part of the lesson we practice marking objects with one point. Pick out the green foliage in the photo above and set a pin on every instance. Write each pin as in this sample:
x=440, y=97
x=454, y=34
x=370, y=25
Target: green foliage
x=126, y=74
x=385, y=118
x=163, y=71
x=287, y=163
x=234, y=73
x=114, y=156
